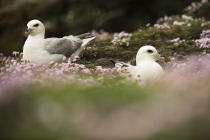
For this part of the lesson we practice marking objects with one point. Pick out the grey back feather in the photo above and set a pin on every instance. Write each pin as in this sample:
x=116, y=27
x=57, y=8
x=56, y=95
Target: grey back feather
x=66, y=46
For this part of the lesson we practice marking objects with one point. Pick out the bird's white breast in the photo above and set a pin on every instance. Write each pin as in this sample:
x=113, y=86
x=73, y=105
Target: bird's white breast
x=33, y=51
x=150, y=70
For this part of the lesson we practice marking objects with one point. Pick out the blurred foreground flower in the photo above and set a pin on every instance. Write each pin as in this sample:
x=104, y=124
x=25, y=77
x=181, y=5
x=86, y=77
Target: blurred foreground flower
x=107, y=109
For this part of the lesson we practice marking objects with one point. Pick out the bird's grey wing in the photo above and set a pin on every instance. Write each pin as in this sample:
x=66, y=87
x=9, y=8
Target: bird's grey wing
x=65, y=46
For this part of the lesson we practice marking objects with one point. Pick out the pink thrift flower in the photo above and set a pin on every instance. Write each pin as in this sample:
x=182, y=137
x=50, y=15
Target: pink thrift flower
x=177, y=23
x=203, y=42
x=121, y=38
x=165, y=26
x=86, y=71
x=205, y=33
x=205, y=23
x=187, y=17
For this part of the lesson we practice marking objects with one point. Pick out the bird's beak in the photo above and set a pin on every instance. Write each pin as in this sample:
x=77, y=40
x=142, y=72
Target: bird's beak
x=28, y=31
x=159, y=58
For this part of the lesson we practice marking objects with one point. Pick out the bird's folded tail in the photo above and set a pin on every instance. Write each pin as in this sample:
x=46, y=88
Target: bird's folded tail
x=85, y=35
x=85, y=42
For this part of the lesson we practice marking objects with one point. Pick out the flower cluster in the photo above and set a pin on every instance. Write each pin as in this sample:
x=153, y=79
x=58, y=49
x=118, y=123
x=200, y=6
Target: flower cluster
x=177, y=41
x=205, y=33
x=17, y=73
x=180, y=23
x=205, y=23
x=163, y=19
x=187, y=17
x=204, y=41
x=165, y=22
x=122, y=38
x=34, y=72
x=189, y=67
x=195, y=5
x=164, y=26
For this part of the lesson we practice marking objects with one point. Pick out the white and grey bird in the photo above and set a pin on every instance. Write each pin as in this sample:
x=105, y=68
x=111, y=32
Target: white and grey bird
x=146, y=69
x=41, y=50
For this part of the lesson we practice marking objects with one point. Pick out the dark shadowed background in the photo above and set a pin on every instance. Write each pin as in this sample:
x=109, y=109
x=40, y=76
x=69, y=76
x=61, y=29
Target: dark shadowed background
x=77, y=16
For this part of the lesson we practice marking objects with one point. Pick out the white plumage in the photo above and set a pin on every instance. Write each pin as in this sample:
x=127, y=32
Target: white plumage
x=146, y=69
x=39, y=50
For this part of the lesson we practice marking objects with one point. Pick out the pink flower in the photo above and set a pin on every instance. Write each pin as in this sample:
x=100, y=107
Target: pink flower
x=175, y=40
x=204, y=1
x=177, y=23
x=86, y=71
x=165, y=26
x=203, y=42
x=187, y=17
x=121, y=38
x=205, y=23
x=205, y=33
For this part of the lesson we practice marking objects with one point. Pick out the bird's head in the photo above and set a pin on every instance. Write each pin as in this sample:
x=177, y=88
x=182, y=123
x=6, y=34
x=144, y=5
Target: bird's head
x=35, y=27
x=147, y=53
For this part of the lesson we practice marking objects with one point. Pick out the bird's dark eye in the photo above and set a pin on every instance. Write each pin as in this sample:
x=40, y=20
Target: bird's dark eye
x=36, y=25
x=150, y=51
